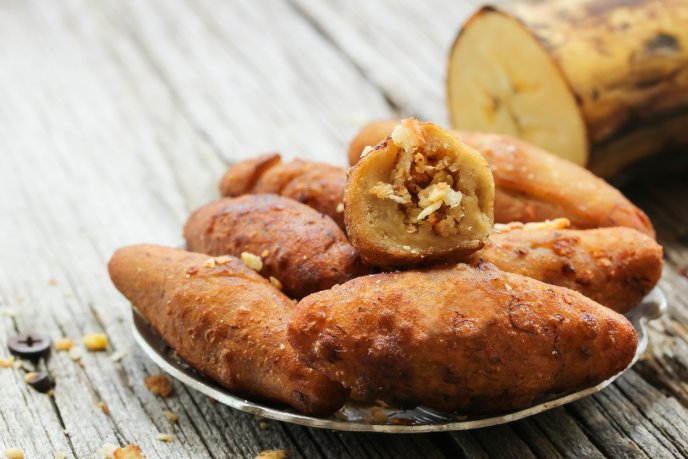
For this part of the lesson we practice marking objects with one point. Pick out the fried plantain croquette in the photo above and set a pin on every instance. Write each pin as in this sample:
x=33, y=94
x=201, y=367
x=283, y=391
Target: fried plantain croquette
x=418, y=197
x=533, y=185
x=614, y=266
x=318, y=185
x=370, y=135
x=470, y=339
x=536, y=186
x=302, y=249
x=226, y=321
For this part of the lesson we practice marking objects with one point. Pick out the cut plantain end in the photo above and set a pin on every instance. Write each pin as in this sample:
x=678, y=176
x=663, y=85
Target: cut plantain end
x=511, y=86
x=602, y=84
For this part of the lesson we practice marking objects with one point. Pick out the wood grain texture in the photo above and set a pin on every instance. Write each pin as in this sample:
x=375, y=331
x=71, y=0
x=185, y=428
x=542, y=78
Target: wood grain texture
x=117, y=118
x=403, y=49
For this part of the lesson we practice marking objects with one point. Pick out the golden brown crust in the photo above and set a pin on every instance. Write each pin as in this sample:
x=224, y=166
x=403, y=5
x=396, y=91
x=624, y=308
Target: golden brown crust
x=369, y=135
x=614, y=266
x=474, y=340
x=317, y=185
x=420, y=196
x=547, y=185
x=512, y=206
x=304, y=249
x=533, y=185
x=242, y=176
x=226, y=321
x=320, y=186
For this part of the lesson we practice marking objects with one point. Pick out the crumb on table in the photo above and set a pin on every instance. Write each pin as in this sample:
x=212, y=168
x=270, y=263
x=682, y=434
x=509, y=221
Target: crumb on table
x=272, y=454
x=159, y=385
x=128, y=452
x=171, y=416
x=64, y=344
x=103, y=407
x=95, y=342
x=165, y=437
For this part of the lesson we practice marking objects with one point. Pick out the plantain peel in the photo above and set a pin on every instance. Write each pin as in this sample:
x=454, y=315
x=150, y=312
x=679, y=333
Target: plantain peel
x=226, y=321
x=417, y=197
x=470, y=339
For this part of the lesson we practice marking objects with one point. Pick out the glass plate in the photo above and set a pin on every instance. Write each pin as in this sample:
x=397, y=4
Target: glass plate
x=356, y=416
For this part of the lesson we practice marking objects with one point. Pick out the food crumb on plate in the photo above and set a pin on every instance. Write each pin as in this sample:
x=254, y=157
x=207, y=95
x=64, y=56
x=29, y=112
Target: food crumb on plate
x=378, y=415
x=276, y=282
x=252, y=261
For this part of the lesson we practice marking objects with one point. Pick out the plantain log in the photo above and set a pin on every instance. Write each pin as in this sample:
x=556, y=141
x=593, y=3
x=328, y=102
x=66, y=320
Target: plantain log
x=317, y=185
x=532, y=185
x=601, y=83
x=473, y=340
x=226, y=321
x=614, y=266
x=302, y=249
x=420, y=196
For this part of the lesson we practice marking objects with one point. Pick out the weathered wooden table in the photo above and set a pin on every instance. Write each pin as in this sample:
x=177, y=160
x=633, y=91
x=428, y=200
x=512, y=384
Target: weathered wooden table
x=118, y=117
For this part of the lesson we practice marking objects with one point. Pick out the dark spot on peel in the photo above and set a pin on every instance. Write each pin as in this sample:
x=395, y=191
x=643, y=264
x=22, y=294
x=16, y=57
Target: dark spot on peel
x=662, y=43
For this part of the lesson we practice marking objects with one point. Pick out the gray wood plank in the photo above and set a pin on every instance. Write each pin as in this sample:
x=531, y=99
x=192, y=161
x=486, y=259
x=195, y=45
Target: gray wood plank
x=117, y=119
x=463, y=444
x=503, y=442
x=401, y=46
x=303, y=97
